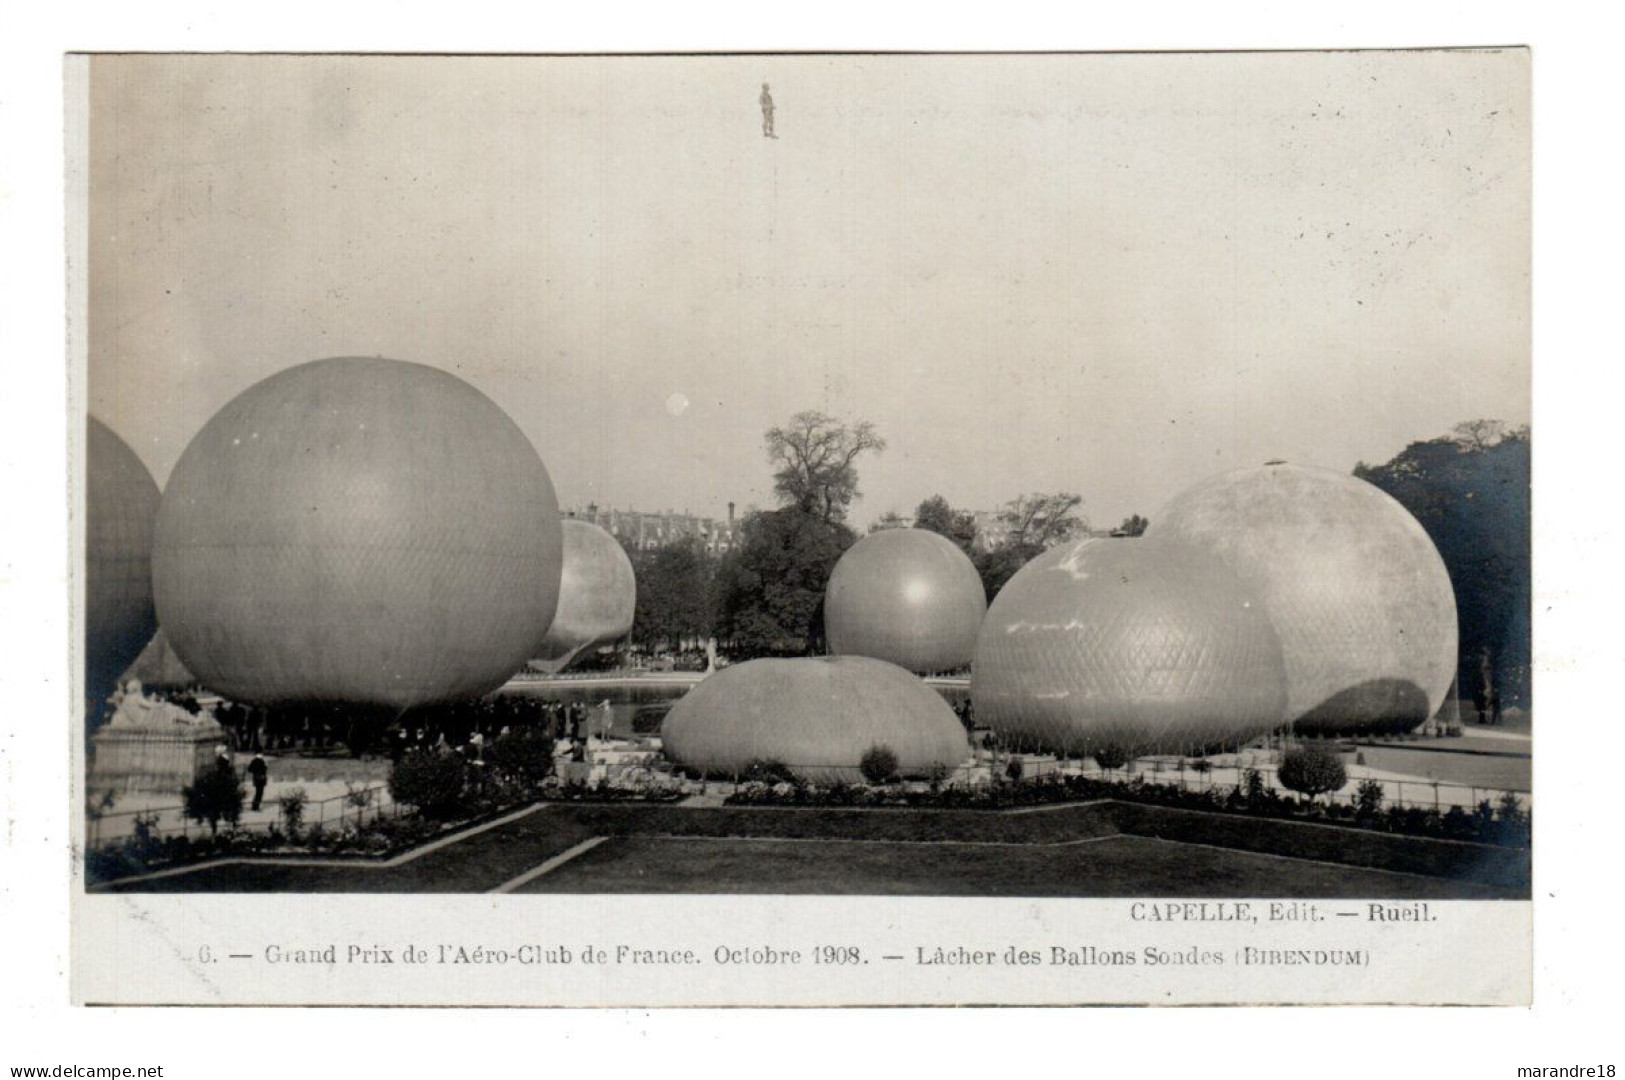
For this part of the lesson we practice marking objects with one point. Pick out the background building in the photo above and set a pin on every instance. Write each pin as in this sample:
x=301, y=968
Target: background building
x=639, y=530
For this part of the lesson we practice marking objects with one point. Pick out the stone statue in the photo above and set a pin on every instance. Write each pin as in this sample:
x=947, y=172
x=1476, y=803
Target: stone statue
x=133, y=708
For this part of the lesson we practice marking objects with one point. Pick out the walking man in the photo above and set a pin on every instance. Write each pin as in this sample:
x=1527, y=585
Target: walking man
x=256, y=773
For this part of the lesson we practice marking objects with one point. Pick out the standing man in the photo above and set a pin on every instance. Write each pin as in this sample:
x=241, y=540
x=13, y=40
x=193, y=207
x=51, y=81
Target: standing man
x=766, y=101
x=256, y=773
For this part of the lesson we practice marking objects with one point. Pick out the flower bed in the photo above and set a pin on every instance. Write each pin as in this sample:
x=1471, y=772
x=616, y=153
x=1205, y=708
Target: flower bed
x=481, y=799
x=1504, y=823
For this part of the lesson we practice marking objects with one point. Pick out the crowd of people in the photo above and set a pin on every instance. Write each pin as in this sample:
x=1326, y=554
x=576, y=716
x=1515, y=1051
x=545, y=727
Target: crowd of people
x=317, y=728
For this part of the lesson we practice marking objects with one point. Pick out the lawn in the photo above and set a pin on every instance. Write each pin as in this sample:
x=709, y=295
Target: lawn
x=1110, y=866
x=1067, y=850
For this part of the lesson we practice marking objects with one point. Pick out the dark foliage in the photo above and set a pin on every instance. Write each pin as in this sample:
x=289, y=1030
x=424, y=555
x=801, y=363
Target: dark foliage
x=675, y=593
x=767, y=771
x=770, y=590
x=1133, y=525
x=520, y=760
x=215, y=795
x=431, y=781
x=935, y=515
x=878, y=764
x=1506, y=825
x=1470, y=491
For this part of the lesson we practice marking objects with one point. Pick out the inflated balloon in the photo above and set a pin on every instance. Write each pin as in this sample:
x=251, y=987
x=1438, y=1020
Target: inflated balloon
x=121, y=504
x=818, y=716
x=907, y=596
x=1358, y=593
x=598, y=595
x=1137, y=645
x=357, y=530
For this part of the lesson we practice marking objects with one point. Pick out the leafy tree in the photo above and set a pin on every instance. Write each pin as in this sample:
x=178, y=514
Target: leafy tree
x=1311, y=771
x=1133, y=525
x=770, y=589
x=1470, y=491
x=215, y=795
x=937, y=516
x=674, y=592
x=814, y=457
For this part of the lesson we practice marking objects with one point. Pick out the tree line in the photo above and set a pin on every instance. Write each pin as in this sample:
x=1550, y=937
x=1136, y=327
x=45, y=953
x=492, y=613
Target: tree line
x=1469, y=489
x=765, y=597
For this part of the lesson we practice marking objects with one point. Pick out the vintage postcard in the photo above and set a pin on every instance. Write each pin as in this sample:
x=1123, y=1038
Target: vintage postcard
x=802, y=529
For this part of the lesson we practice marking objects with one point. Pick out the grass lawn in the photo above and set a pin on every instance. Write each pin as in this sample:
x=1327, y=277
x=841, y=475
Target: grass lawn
x=1069, y=850
x=1112, y=866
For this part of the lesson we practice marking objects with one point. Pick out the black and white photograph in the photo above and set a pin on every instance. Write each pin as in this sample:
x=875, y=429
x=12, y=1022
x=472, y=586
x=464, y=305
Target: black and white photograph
x=762, y=479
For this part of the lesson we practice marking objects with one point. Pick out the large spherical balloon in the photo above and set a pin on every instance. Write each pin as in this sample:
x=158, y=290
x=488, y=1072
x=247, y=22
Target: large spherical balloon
x=1357, y=592
x=598, y=594
x=908, y=596
x=1137, y=645
x=121, y=504
x=818, y=716
x=357, y=530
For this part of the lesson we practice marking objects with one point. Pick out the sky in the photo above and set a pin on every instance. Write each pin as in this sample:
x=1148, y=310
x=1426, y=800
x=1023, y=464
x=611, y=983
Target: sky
x=1107, y=274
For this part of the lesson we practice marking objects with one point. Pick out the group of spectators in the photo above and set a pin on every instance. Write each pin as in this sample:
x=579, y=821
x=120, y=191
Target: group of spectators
x=467, y=730
x=315, y=728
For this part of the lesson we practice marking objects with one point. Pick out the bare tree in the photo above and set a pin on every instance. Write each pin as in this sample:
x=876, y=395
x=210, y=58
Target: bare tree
x=815, y=454
x=1039, y=520
x=1478, y=434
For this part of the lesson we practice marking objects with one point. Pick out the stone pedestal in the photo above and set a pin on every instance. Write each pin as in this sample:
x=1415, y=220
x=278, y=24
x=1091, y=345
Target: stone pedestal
x=166, y=758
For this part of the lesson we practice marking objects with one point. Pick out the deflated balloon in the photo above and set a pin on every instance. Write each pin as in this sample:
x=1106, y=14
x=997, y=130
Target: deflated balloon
x=818, y=716
x=598, y=595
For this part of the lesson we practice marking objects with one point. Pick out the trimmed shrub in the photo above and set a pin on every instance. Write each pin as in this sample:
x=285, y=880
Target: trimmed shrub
x=1311, y=771
x=1111, y=757
x=878, y=764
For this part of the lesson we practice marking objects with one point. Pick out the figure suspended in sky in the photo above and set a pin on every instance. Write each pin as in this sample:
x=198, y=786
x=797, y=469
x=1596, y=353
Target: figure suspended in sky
x=767, y=112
